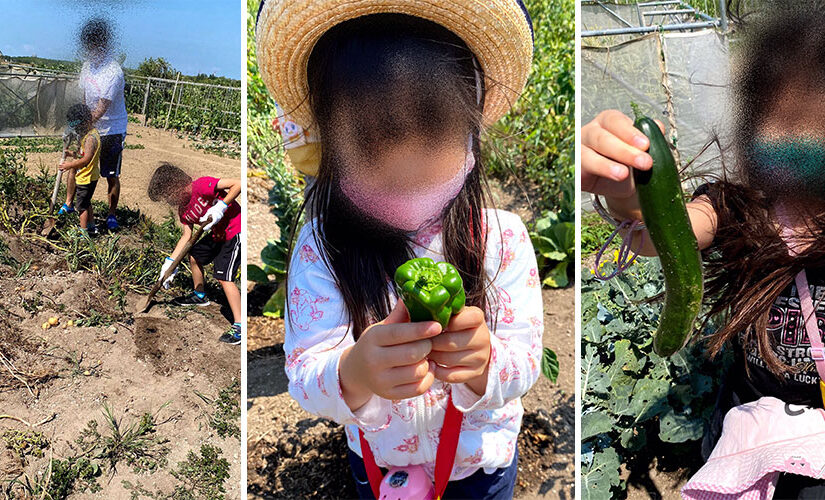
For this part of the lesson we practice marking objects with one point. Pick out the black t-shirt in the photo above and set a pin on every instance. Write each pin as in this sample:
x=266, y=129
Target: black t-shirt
x=748, y=379
x=790, y=343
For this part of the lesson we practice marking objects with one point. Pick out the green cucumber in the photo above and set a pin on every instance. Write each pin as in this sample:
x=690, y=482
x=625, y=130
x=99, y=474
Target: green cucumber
x=666, y=218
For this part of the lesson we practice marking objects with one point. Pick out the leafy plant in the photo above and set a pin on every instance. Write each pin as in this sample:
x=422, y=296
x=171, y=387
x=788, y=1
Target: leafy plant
x=594, y=233
x=629, y=394
x=135, y=443
x=550, y=364
x=25, y=443
x=56, y=481
x=134, y=268
x=554, y=240
x=72, y=475
x=202, y=476
x=266, y=153
x=226, y=410
x=206, y=111
x=94, y=318
x=535, y=141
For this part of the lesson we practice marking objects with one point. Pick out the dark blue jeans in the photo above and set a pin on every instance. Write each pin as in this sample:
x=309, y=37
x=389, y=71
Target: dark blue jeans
x=480, y=486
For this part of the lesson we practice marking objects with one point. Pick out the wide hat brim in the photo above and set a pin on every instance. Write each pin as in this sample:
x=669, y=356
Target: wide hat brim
x=496, y=31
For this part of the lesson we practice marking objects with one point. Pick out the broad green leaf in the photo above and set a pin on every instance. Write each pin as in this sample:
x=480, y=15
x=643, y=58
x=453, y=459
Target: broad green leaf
x=557, y=278
x=256, y=274
x=648, y=400
x=550, y=364
x=675, y=428
x=595, y=423
x=274, y=307
x=633, y=438
x=593, y=380
x=601, y=476
x=625, y=357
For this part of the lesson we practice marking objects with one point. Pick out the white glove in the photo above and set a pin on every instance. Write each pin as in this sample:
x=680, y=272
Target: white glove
x=167, y=283
x=216, y=212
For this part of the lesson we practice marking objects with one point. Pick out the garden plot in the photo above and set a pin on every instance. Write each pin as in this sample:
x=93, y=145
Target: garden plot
x=96, y=401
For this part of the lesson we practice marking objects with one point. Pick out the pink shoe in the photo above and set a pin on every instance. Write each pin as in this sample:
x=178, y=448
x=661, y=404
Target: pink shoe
x=407, y=483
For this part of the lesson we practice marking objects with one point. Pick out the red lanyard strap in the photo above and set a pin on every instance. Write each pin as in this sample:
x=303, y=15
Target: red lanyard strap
x=444, y=455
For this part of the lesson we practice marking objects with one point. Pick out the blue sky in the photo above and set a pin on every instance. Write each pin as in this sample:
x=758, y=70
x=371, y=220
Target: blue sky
x=195, y=36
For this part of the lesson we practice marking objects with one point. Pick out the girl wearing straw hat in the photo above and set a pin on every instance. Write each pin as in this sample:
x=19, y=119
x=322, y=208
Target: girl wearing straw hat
x=391, y=97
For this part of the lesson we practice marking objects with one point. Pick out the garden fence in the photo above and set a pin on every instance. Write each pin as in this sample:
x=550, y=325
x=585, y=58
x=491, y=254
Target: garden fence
x=34, y=101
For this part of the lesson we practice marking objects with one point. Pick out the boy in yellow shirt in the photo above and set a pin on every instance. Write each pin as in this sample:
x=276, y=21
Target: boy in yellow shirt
x=86, y=163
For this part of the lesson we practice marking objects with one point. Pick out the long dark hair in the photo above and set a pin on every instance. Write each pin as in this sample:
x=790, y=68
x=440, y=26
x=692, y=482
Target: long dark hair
x=750, y=265
x=378, y=80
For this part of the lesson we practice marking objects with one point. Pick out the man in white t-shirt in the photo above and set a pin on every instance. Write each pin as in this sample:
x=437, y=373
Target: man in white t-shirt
x=103, y=84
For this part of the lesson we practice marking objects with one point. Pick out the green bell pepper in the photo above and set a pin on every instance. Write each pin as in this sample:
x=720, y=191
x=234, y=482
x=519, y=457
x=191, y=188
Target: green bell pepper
x=431, y=291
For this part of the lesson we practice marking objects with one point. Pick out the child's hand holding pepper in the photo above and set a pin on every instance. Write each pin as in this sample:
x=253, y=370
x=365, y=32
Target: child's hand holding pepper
x=389, y=360
x=462, y=352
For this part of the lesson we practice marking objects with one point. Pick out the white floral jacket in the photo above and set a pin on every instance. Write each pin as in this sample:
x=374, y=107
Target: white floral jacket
x=406, y=432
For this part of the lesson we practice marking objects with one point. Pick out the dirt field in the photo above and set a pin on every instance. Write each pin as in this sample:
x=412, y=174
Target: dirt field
x=294, y=454
x=166, y=363
x=139, y=164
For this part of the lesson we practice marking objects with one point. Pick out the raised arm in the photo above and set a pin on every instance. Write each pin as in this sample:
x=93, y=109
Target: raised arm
x=611, y=148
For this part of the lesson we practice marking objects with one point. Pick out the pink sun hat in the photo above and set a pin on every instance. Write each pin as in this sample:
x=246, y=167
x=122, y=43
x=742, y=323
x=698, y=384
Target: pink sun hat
x=759, y=441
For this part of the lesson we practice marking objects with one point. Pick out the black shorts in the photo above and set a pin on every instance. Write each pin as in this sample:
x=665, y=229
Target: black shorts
x=111, y=154
x=225, y=255
x=83, y=196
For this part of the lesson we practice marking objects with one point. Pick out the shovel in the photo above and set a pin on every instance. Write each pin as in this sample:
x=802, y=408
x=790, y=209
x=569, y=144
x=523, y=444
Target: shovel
x=48, y=226
x=196, y=234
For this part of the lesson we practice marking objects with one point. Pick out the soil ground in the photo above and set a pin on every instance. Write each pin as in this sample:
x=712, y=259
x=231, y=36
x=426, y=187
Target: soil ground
x=156, y=362
x=292, y=454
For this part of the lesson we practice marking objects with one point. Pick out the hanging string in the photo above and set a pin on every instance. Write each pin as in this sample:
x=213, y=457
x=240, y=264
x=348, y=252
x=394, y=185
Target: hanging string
x=626, y=256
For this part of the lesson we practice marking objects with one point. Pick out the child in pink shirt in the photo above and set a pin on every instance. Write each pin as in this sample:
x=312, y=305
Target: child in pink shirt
x=209, y=201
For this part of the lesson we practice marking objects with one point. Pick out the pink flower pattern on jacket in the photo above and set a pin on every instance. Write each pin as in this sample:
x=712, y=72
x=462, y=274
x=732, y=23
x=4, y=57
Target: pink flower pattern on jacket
x=304, y=308
x=508, y=254
x=507, y=315
x=403, y=409
x=403, y=432
x=308, y=254
x=426, y=236
x=409, y=445
x=533, y=279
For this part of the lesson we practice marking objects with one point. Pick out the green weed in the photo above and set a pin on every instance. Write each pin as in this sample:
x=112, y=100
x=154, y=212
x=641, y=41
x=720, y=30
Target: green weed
x=25, y=443
x=201, y=477
x=93, y=318
x=225, y=410
x=136, y=444
x=595, y=232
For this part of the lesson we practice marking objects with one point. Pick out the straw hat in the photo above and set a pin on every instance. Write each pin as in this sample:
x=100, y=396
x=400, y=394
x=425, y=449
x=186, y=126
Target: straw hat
x=498, y=32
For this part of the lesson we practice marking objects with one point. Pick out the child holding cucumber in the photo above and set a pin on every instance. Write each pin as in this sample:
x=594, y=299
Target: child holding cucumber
x=761, y=227
x=397, y=93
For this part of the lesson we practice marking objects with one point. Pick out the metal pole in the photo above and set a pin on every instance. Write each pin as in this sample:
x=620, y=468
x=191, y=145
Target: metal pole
x=669, y=12
x=655, y=4
x=723, y=16
x=649, y=29
x=614, y=14
x=171, y=101
x=145, y=101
